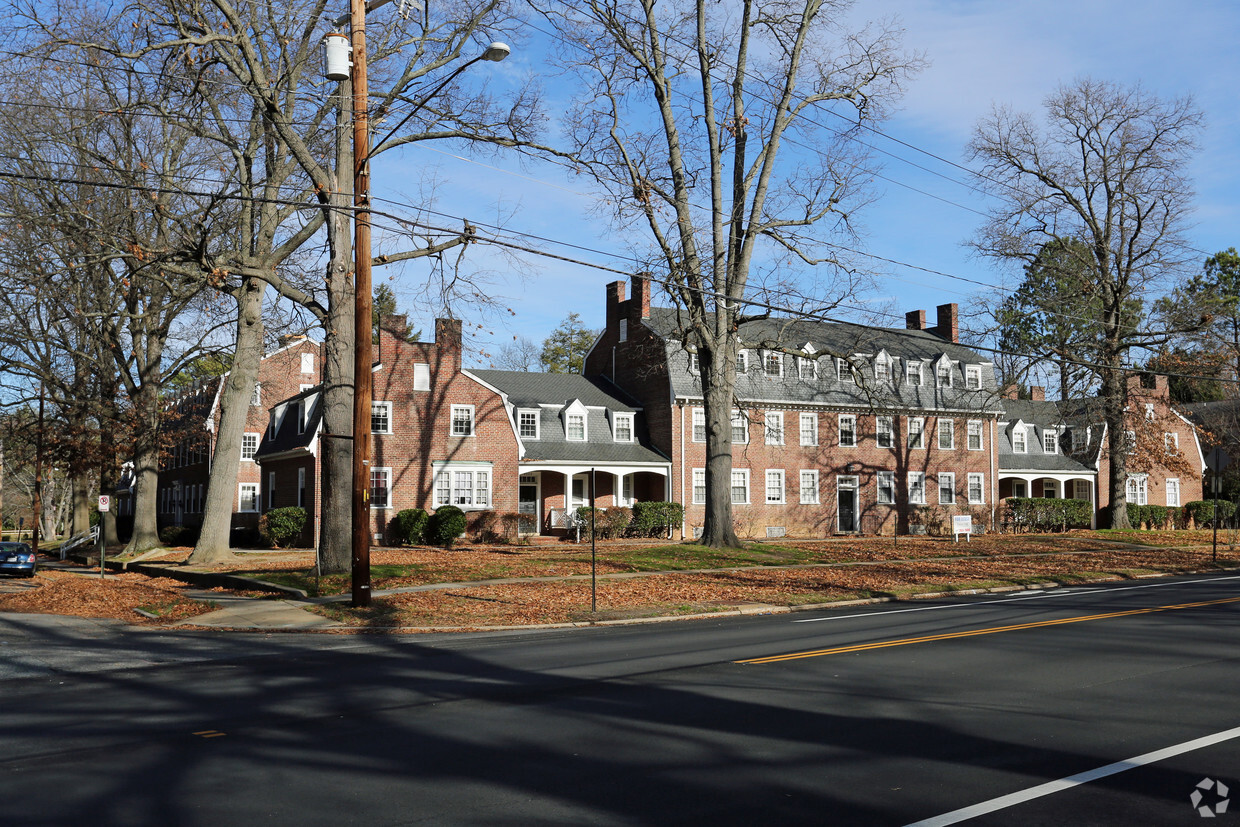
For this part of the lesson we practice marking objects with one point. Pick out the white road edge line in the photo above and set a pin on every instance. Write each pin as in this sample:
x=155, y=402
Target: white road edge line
x=1067, y=592
x=1051, y=787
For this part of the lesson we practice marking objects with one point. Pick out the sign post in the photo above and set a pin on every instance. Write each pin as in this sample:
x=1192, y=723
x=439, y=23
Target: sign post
x=962, y=524
x=105, y=503
x=1216, y=462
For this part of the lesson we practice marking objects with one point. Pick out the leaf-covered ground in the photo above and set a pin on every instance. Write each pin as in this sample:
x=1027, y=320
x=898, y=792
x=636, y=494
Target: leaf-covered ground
x=646, y=579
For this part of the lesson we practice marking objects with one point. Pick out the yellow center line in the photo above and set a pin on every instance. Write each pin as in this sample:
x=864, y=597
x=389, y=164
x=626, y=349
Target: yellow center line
x=993, y=630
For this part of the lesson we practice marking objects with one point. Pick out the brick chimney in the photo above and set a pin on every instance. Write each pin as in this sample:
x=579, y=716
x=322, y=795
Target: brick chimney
x=615, y=298
x=948, y=327
x=448, y=343
x=641, y=293
x=915, y=320
x=1037, y=393
x=395, y=323
x=1011, y=391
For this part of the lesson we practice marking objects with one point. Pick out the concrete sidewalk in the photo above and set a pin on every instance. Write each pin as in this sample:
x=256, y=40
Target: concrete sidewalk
x=237, y=612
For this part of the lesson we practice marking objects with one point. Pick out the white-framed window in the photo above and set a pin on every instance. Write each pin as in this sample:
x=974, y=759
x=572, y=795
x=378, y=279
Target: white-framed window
x=774, y=427
x=917, y=488
x=421, y=376
x=809, y=487
x=301, y=487
x=1048, y=489
x=740, y=427
x=247, y=495
x=1050, y=440
x=1137, y=490
x=886, y=487
x=695, y=365
x=462, y=420
x=740, y=486
x=1019, y=440
x=307, y=363
x=1171, y=442
x=380, y=487
x=381, y=417
x=848, y=431
x=916, y=432
x=742, y=361
x=575, y=427
x=622, y=427
x=775, y=486
x=699, y=486
x=1173, y=491
x=809, y=429
x=271, y=489
x=947, y=488
x=947, y=434
x=807, y=369
x=1080, y=489
x=301, y=416
x=912, y=373
x=943, y=373
x=844, y=371
x=884, y=430
x=249, y=446
x=626, y=491
x=698, y=416
x=977, y=489
x=973, y=377
x=465, y=486
x=624, y=330
x=1080, y=437
x=256, y=398
x=882, y=368
x=528, y=423
x=975, y=435
x=773, y=364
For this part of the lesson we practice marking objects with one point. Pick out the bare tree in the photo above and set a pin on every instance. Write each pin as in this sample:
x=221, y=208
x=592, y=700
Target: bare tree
x=1109, y=169
x=519, y=354
x=718, y=129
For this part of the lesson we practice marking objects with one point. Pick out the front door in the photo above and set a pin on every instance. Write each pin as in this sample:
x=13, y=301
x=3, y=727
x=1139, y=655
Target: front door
x=527, y=504
x=846, y=503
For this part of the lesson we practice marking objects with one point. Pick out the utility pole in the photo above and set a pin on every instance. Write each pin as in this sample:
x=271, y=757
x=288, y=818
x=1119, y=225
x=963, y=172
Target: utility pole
x=362, y=310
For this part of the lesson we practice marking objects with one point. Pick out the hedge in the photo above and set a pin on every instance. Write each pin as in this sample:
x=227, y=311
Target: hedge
x=281, y=526
x=654, y=519
x=1048, y=513
x=1202, y=511
x=409, y=526
x=609, y=523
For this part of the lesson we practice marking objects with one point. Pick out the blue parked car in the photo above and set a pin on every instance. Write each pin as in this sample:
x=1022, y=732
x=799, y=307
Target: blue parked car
x=17, y=558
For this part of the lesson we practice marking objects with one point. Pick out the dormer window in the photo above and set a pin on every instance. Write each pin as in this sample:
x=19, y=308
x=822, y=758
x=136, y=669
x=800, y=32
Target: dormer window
x=973, y=377
x=882, y=367
x=575, y=422
x=742, y=361
x=912, y=373
x=1020, y=439
x=1080, y=438
x=622, y=427
x=773, y=364
x=807, y=369
x=527, y=423
x=844, y=371
x=943, y=372
x=1050, y=441
x=694, y=365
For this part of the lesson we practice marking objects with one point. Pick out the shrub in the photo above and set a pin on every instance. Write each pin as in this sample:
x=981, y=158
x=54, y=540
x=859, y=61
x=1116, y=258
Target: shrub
x=1202, y=511
x=409, y=526
x=655, y=518
x=445, y=525
x=616, y=522
x=1154, y=516
x=281, y=526
x=178, y=535
x=1134, y=515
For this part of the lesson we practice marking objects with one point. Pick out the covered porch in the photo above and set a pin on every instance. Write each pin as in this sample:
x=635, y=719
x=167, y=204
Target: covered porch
x=548, y=493
x=1051, y=485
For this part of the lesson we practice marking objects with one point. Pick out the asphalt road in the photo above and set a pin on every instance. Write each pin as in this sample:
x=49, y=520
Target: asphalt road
x=1106, y=705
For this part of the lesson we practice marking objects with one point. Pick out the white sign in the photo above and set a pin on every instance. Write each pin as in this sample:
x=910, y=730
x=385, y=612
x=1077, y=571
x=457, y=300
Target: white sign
x=105, y=502
x=962, y=524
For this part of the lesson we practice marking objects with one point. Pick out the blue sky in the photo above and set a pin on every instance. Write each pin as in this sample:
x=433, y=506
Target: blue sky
x=980, y=54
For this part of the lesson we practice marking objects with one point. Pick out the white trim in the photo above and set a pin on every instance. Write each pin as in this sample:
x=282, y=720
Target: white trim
x=774, y=474
x=616, y=417
x=473, y=425
x=382, y=405
x=812, y=474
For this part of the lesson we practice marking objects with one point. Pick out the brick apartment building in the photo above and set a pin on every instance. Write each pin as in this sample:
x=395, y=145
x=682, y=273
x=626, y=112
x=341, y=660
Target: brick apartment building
x=839, y=428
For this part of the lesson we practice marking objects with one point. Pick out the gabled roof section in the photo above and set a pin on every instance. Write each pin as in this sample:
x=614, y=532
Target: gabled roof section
x=1038, y=416
x=286, y=440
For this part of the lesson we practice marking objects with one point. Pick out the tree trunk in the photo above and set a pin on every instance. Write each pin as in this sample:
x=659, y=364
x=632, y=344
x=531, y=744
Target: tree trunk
x=718, y=385
x=1115, y=400
x=146, y=472
x=79, y=484
x=213, y=540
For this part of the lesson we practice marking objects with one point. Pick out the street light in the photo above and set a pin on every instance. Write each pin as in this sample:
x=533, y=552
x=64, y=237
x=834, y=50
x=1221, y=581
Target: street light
x=363, y=384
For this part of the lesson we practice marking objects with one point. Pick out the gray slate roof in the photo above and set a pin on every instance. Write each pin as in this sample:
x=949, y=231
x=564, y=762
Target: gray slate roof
x=1042, y=415
x=550, y=393
x=286, y=437
x=838, y=339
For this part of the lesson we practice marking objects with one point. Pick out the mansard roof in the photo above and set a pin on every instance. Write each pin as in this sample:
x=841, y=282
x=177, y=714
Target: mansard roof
x=828, y=341
x=1040, y=415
